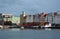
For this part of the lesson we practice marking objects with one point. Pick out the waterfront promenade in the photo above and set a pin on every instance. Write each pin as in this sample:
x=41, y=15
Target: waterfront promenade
x=21, y=27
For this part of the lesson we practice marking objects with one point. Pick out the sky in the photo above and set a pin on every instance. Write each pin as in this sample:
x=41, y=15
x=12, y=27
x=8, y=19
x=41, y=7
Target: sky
x=16, y=7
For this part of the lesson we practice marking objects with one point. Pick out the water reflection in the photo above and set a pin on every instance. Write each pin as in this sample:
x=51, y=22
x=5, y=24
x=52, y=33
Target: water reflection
x=29, y=34
x=48, y=29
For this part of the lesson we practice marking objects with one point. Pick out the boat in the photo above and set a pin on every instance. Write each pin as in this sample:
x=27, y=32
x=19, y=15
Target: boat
x=1, y=26
x=48, y=25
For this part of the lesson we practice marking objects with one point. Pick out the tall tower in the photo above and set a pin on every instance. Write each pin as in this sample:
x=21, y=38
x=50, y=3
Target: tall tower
x=23, y=13
x=22, y=18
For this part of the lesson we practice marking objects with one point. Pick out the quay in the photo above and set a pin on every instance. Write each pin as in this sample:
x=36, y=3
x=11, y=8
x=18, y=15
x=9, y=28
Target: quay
x=39, y=27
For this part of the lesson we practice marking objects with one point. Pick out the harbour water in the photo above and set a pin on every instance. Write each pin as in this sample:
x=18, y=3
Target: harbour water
x=30, y=34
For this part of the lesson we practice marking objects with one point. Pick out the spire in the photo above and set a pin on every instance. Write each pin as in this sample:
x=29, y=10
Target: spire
x=23, y=13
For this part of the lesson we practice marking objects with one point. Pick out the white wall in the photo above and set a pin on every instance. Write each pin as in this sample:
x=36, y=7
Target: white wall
x=29, y=18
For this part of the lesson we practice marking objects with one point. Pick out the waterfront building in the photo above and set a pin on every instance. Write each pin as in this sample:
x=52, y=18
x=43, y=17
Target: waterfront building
x=39, y=18
x=15, y=20
x=7, y=19
x=4, y=18
x=56, y=17
x=36, y=18
x=53, y=17
x=42, y=18
x=49, y=18
x=1, y=19
x=22, y=18
x=29, y=18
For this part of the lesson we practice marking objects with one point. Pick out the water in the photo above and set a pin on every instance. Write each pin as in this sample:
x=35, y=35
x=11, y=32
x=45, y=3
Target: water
x=29, y=34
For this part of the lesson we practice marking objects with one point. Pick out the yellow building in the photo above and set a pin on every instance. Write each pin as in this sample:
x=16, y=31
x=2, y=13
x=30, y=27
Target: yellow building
x=22, y=18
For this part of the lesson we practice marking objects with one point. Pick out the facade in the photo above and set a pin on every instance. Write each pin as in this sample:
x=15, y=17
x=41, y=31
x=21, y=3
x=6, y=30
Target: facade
x=41, y=18
x=49, y=18
x=29, y=18
x=1, y=19
x=53, y=17
x=15, y=20
x=4, y=18
x=7, y=17
x=22, y=18
x=56, y=18
x=36, y=18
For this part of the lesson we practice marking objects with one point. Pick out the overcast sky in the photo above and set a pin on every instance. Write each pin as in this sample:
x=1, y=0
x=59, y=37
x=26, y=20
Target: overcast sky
x=29, y=6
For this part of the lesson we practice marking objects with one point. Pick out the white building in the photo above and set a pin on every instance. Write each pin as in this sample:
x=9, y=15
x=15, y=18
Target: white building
x=29, y=18
x=53, y=17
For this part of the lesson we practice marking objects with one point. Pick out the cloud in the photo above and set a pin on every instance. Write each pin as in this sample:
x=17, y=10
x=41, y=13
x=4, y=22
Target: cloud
x=30, y=6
